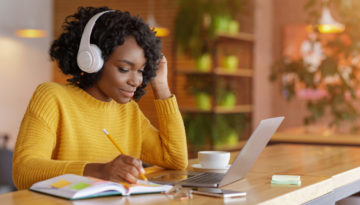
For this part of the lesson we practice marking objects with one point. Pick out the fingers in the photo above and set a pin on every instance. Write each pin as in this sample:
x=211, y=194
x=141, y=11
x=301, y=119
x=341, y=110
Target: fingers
x=163, y=59
x=135, y=163
x=125, y=168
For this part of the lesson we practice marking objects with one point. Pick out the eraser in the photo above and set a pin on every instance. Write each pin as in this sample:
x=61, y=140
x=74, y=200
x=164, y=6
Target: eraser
x=286, y=179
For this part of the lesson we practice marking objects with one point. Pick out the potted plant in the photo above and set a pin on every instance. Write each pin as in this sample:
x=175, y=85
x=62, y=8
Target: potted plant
x=199, y=86
x=230, y=63
x=206, y=130
x=335, y=73
x=198, y=21
x=225, y=93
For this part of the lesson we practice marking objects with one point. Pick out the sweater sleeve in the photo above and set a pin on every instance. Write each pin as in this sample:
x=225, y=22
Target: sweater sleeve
x=36, y=142
x=165, y=147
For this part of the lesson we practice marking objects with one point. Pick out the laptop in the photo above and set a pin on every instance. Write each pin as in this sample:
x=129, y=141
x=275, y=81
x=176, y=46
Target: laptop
x=244, y=160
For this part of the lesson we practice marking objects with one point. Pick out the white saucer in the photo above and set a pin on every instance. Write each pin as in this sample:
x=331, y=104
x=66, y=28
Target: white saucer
x=198, y=166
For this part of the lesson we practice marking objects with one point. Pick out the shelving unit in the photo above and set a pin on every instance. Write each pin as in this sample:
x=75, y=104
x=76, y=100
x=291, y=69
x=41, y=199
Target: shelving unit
x=239, y=45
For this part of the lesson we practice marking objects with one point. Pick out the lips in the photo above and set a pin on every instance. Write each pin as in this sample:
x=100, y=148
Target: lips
x=127, y=93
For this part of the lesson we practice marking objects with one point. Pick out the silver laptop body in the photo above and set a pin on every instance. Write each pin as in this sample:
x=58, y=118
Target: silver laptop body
x=244, y=160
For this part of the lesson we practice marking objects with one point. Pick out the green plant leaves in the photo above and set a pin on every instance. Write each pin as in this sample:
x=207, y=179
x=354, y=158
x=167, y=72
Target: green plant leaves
x=208, y=129
x=337, y=73
x=195, y=24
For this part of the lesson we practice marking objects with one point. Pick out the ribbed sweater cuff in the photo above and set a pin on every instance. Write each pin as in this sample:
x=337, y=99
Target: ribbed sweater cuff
x=75, y=168
x=167, y=106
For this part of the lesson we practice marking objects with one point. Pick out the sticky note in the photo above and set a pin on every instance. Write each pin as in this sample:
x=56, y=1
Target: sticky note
x=286, y=179
x=79, y=186
x=60, y=184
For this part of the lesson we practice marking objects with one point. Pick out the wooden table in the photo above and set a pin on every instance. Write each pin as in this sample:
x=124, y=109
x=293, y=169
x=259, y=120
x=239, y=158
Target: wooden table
x=328, y=173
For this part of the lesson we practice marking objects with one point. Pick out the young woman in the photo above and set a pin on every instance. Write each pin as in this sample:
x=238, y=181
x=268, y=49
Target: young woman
x=62, y=129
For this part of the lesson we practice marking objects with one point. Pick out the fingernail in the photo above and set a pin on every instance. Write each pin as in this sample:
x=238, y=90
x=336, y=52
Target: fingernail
x=142, y=170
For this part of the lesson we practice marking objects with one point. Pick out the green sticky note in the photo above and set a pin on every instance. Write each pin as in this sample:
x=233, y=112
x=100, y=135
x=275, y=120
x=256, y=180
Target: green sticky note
x=286, y=179
x=79, y=186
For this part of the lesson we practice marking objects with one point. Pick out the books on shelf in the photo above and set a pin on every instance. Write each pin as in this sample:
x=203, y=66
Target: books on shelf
x=74, y=187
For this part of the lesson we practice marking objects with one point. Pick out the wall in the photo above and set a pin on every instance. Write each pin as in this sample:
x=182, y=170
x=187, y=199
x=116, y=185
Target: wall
x=286, y=12
x=24, y=63
x=263, y=55
x=270, y=18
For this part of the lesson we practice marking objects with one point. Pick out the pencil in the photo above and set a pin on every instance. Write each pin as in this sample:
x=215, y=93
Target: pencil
x=120, y=150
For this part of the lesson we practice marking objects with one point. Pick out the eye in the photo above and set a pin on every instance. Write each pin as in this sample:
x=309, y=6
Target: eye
x=123, y=70
x=141, y=71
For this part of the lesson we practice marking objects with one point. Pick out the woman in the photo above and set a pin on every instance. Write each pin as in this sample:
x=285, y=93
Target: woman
x=62, y=129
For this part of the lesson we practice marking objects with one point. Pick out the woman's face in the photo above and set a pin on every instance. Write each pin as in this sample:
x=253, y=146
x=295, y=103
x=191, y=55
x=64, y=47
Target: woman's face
x=122, y=73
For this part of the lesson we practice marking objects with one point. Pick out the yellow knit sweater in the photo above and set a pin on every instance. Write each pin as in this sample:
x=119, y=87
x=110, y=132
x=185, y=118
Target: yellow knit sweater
x=62, y=130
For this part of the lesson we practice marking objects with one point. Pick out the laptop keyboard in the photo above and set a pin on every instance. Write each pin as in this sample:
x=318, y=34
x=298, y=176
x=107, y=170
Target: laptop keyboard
x=206, y=177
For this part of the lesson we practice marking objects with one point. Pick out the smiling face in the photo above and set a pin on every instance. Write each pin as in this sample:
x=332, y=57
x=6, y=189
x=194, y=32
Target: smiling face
x=122, y=73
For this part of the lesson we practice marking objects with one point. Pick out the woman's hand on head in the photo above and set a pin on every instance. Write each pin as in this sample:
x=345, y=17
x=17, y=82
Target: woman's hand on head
x=160, y=84
x=162, y=72
x=122, y=168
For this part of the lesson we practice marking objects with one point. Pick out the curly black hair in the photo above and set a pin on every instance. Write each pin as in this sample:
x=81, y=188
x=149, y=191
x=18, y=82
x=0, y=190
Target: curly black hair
x=110, y=30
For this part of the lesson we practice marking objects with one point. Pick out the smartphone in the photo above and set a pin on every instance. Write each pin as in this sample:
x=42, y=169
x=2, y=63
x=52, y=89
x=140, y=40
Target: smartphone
x=223, y=193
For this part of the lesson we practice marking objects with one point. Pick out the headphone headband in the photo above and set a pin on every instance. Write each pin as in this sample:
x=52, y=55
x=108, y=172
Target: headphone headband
x=89, y=57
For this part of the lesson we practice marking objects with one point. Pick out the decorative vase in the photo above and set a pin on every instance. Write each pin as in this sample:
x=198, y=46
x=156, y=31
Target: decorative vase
x=221, y=24
x=203, y=63
x=230, y=63
x=228, y=101
x=233, y=27
x=203, y=101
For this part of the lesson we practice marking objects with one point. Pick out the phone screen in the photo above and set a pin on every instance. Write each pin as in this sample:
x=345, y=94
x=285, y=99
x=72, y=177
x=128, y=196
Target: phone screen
x=218, y=192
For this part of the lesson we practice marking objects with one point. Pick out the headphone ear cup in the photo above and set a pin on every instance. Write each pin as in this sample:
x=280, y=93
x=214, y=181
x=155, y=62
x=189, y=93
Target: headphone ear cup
x=89, y=58
x=84, y=61
x=98, y=61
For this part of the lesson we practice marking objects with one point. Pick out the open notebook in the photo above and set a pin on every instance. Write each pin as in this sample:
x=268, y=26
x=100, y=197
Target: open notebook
x=74, y=187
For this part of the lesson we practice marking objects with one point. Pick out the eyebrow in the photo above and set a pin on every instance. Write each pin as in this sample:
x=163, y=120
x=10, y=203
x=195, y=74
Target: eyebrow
x=127, y=62
x=130, y=63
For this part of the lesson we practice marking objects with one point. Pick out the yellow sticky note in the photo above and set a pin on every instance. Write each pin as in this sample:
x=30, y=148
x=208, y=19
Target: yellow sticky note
x=60, y=184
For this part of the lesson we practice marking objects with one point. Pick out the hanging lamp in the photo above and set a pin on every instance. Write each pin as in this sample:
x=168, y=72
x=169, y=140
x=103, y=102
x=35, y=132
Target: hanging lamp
x=30, y=33
x=327, y=24
x=160, y=31
x=29, y=22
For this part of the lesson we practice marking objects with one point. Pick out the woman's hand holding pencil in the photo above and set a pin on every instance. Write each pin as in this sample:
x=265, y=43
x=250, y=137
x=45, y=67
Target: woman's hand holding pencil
x=132, y=161
x=123, y=168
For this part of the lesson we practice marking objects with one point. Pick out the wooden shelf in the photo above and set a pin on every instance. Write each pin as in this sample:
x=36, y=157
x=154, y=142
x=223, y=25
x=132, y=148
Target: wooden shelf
x=239, y=36
x=304, y=138
x=241, y=46
x=240, y=72
x=236, y=109
x=235, y=147
x=221, y=110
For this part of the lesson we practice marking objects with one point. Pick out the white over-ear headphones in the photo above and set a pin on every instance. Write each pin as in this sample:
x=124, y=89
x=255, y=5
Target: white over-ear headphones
x=89, y=57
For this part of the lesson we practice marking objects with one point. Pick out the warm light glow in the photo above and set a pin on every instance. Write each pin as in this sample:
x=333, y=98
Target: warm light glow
x=327, y=24
x=30, y=33
x=161, y=31
x=327, y=28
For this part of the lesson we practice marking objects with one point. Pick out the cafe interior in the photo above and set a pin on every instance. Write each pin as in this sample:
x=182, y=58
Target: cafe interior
x=231, y=64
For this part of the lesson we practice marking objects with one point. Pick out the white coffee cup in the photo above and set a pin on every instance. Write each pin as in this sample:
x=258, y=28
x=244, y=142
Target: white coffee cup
x=213, y=159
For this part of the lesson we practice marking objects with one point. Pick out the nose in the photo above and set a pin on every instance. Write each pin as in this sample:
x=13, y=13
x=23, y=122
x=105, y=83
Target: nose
x=134, y=80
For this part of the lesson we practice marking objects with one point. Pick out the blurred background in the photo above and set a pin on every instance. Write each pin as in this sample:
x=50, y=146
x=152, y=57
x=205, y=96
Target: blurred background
x=232, y=63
